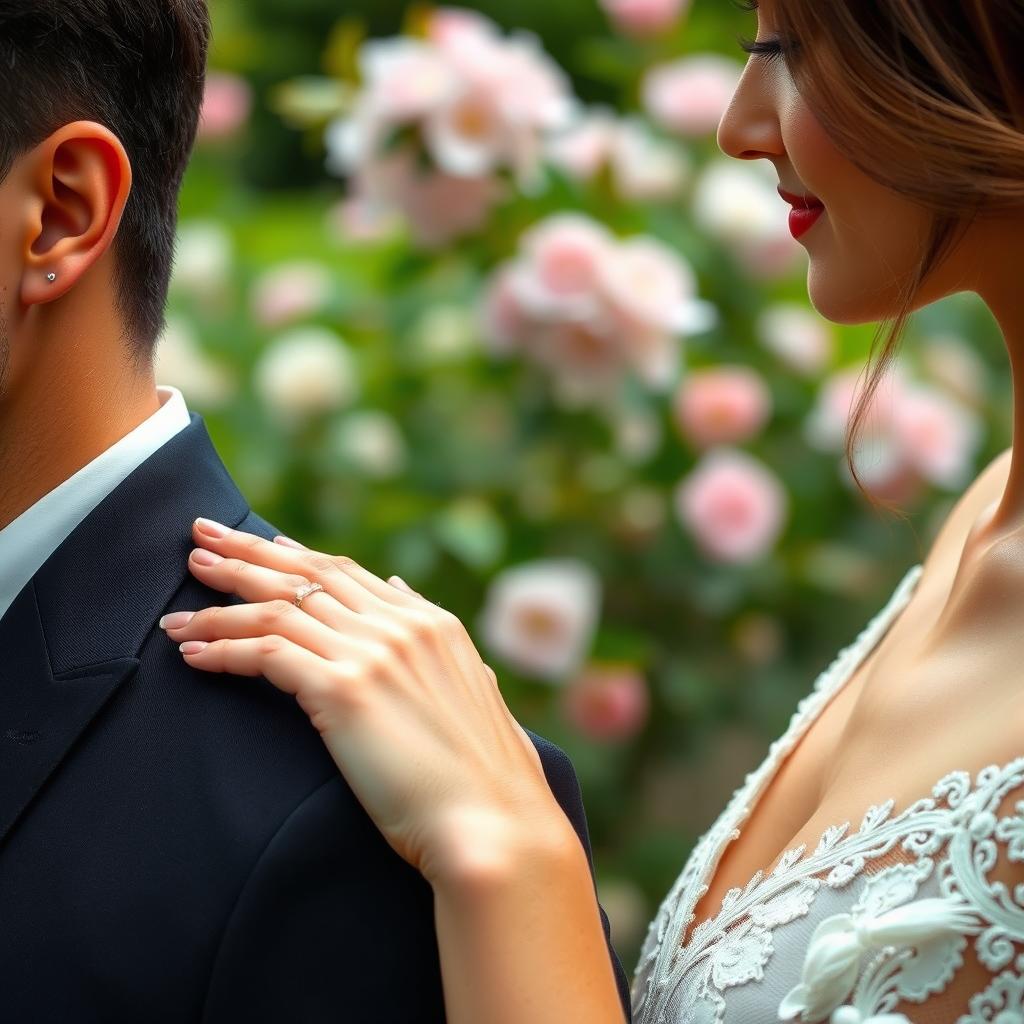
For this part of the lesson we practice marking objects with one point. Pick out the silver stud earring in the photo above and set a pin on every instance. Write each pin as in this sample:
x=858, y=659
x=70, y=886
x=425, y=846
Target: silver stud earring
x=51, y=277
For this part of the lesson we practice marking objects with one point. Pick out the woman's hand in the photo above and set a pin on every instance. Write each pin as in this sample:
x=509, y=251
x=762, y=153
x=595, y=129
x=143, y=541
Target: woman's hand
x=408, y=711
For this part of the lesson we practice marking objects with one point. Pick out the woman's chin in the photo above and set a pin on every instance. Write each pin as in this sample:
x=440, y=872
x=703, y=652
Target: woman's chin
x=842, y=302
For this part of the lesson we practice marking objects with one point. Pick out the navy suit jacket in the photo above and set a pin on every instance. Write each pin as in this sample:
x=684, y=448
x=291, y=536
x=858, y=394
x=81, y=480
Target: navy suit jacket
x=177, y=845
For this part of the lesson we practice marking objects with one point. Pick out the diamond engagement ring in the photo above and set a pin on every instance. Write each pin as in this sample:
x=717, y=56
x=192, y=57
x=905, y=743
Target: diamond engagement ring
x=304, y=591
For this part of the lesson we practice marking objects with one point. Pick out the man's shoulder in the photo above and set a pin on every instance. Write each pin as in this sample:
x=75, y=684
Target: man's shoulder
x=256, y=524
x=254, y=744
x=272, y=737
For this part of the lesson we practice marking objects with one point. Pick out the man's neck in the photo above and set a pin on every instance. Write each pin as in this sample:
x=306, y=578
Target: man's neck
x=48, y=436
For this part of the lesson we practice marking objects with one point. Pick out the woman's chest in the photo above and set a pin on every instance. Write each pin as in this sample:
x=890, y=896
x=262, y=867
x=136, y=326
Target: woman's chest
x=898, y=722
x=787, y=804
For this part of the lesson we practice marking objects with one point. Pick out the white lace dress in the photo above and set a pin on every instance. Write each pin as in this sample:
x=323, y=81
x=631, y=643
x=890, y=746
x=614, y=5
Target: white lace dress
x=899, y=921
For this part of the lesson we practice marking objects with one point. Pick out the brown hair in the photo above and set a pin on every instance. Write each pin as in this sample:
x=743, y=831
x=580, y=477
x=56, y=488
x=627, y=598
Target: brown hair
x=138, y=67
x=938, y=88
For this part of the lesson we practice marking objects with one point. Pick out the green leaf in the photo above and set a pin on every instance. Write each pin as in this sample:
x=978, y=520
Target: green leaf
x=472, y=532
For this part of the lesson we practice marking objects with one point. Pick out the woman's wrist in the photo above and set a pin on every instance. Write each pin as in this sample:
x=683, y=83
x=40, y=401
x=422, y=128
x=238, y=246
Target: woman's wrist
x=518, y=926
x=484, y=849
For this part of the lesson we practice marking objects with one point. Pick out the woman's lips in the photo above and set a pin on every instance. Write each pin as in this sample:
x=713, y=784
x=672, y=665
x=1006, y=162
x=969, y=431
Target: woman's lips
x=801, y=221
x=805, y=213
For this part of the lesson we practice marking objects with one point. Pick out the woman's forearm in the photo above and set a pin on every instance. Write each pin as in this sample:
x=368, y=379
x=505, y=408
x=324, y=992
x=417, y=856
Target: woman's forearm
x=520, y=936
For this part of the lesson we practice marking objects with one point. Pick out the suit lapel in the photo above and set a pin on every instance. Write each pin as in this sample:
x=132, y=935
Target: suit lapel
x=41, y=716
x=74, y=634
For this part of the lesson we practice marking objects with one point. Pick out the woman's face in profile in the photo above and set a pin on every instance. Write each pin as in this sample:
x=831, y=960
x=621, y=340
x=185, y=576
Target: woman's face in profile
x=869, y=237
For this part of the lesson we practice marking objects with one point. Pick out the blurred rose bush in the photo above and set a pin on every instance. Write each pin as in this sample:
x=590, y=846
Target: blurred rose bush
x=590, y=308
x=551, y=360
x=441, y=123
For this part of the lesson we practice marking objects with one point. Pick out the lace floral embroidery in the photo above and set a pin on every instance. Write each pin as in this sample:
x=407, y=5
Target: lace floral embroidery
x=665, y=934
x=892, y=946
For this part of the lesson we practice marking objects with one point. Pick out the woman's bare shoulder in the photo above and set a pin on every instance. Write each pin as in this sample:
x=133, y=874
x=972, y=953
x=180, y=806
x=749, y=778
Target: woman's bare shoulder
x=989, y=484
x=986, y=488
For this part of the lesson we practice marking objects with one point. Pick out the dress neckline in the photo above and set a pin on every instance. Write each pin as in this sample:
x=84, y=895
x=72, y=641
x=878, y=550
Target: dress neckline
x=959, y=821
x=744, y=801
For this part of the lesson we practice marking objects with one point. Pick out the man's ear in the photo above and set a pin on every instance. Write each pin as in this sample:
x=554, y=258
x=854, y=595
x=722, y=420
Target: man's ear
x=78, y=182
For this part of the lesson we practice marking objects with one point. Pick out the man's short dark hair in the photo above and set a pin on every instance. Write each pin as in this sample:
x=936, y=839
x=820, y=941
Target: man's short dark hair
x=138, y=67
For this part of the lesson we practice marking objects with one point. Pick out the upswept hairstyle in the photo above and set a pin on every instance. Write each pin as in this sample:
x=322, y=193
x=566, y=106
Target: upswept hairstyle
x=138, y=67
x=937, y=86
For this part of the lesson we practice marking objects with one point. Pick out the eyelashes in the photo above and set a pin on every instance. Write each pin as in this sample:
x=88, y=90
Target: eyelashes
x=769, y=49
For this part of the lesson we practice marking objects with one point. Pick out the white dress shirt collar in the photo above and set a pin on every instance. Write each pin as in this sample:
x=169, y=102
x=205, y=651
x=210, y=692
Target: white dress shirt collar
x=27, y=542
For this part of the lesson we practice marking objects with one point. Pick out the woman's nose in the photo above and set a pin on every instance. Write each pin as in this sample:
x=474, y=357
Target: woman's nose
x=749, y=129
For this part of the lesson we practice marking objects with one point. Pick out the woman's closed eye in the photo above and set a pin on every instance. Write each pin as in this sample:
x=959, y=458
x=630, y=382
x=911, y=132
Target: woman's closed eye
x=770, y=49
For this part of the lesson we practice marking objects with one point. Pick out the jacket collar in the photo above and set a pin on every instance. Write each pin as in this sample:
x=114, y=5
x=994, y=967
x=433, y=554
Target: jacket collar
x=74, y=633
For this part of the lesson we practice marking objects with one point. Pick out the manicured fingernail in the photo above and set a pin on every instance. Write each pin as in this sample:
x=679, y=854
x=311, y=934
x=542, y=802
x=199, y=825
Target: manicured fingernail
x=289, y=543
x=212, y=528
x=176, y=620
x=192, y=646
x=203, y=557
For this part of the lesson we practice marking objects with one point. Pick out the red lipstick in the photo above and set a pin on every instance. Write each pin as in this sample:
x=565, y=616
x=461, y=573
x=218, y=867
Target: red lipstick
x=805, y=213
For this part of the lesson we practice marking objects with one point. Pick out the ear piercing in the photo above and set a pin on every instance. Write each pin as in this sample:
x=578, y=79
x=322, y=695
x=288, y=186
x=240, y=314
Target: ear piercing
x=51, y=277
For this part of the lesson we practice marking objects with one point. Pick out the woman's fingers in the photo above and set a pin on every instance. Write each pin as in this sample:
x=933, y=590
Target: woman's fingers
x=255, y=583
x=343, y=578
x=289, y=666
x=247, y=621
x=392, y=682
x=399, y=582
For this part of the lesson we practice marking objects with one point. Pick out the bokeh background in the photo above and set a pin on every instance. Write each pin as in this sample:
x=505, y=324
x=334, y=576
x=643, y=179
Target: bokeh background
x=472, y=296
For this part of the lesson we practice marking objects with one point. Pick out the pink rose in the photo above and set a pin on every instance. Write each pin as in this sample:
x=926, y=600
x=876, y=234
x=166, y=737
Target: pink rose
x=609, y=703
x=829, y=420
x=441, y=207
x=354, y=219
x=505, y=321
x=644, y=167
x=689, y=96
x=737, y=204
x=722, y=405
x=449, y=26
x=644, y=17
x=290, y=292
x=541, y=616
x=649, y=283
x=478, y=107
x=437, y=207
x=955, y=365
x=227, y=103
x=586, y=360
x=883, y=470
x=563, y=261
x=798, y=336
x=648, y=168
x=534, y=90
x=585, y=146
x=590, y=307
x=406, y=79
x=467, y=137
x=734, y=506
x=939, y=437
